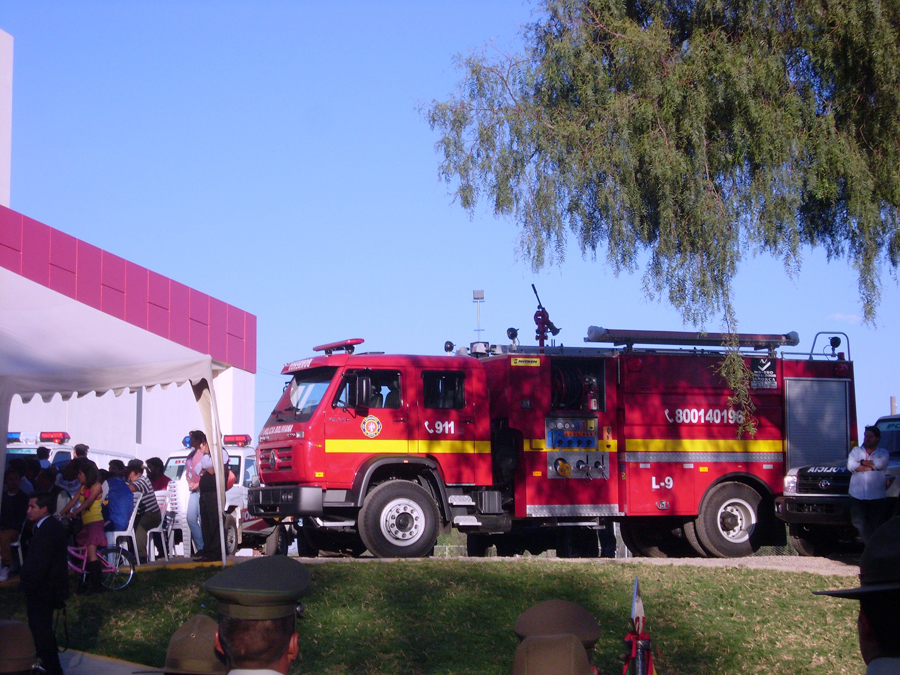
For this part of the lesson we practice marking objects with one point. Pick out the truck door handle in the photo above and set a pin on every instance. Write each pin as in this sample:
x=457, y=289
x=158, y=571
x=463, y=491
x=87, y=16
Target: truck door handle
x=400, y=419
x=468, y=421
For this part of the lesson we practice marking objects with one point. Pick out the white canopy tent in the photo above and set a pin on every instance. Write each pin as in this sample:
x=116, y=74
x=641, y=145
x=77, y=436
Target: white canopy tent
x=51, y=344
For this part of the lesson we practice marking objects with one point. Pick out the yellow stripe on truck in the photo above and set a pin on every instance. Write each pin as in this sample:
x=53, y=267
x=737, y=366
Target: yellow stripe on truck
x=378, y=446
x=370, y=446
x=702, y=445
x=457, y=447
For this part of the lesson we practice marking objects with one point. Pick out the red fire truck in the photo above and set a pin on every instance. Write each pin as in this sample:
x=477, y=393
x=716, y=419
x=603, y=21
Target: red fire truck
x=537, y=448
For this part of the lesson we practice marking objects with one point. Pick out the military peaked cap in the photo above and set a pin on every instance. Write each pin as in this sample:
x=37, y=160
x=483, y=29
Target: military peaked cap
x=261, y=588
x=879, y=565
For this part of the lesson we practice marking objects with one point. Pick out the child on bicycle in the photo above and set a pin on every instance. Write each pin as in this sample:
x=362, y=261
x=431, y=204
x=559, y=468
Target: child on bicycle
x=86, y=504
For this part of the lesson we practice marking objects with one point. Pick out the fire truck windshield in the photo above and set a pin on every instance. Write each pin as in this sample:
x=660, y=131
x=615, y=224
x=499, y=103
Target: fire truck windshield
x=303, y=394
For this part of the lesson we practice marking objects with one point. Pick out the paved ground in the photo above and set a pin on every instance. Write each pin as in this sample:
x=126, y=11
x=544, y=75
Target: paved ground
x=80, y=663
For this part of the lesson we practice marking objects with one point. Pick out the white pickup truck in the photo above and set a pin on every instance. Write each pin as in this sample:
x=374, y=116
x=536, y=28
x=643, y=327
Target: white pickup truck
x=241, y=529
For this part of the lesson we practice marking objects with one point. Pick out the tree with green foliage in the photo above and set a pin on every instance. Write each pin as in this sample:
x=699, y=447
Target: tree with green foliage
x=692, y=133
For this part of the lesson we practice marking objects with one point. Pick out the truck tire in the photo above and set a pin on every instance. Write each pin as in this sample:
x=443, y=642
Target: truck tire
x=690, y=536
x=811, y=541
x=399, y=519
x=278, y=541
x=727, y=523
x=231, y=536
x=305, y=547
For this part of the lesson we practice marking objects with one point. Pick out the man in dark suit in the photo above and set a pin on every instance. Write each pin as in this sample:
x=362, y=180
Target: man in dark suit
x=45, y=578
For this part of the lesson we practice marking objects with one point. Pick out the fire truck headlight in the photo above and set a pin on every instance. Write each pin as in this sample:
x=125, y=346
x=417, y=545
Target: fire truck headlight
x=790, y=484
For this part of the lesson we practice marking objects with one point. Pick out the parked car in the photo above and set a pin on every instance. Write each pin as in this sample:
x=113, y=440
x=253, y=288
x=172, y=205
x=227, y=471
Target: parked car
x=26, y=443
x=241, y=529
x=816, y=499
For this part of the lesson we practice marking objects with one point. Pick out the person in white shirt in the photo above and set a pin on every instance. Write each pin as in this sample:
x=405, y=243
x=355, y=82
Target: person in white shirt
x=868, y=502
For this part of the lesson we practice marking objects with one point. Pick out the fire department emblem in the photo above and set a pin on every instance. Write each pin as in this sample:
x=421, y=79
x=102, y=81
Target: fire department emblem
x=371, y=426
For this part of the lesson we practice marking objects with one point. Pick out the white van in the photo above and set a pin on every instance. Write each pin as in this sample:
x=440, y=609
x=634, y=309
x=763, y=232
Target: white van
x=241, y=529
x=26, y=443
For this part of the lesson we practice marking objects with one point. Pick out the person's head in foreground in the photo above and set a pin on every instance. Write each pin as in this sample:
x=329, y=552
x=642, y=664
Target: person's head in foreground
x=878, y=593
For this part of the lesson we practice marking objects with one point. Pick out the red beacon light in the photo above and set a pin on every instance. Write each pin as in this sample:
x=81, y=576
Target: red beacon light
x=240, y=440
x=58, y=437
x=348, y=346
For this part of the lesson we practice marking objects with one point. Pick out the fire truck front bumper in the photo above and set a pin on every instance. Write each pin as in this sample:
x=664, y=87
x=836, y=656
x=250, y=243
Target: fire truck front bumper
x=284, y=501
x=806, y=510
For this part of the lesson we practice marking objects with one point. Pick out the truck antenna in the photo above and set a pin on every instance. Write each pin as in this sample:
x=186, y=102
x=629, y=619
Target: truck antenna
x=542, y=321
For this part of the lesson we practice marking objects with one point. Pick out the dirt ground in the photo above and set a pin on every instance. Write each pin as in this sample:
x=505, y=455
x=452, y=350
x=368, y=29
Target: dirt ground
x=847, y=566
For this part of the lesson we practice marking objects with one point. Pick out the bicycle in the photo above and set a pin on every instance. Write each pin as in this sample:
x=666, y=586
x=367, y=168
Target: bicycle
x=117, y=565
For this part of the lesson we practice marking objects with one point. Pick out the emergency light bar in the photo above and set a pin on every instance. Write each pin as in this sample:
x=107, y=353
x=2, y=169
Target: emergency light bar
x=58, y=437
x=238, y=440
x=672, y=337
x=348, y=346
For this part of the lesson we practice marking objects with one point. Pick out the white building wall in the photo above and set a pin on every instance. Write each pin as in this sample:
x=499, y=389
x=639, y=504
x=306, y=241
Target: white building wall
x=6, y=81
x=149, y=424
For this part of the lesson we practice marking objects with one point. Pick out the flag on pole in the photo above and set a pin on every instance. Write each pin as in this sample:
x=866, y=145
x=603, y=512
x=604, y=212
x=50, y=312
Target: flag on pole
x=638, y=658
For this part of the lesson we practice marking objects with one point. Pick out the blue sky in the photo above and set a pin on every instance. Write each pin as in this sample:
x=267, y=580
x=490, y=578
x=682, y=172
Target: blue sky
x=274, y=156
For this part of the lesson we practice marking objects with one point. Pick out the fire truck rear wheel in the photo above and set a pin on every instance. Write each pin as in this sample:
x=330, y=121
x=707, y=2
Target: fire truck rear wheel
x=399, y=519
x=728, y=519
x=690, y=536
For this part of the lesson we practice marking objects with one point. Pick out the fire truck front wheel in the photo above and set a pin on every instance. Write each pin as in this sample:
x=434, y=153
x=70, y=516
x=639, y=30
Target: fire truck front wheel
x=728, y=520
x=399, y=519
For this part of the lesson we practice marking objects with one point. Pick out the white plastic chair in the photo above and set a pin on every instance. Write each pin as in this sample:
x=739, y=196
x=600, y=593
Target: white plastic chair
x=177, y=518
x=161, y=530
x=128, y=533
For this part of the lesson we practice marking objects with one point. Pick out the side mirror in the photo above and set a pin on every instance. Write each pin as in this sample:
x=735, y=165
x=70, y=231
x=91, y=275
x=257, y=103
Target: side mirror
x=359, y=390
x=363, y=391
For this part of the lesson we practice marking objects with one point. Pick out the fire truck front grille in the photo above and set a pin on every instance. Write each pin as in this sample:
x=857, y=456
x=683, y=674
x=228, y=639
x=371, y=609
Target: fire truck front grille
x=832, y=484
x=277, y=459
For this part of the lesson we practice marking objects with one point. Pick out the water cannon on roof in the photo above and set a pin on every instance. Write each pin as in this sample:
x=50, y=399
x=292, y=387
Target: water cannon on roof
x=542, y=321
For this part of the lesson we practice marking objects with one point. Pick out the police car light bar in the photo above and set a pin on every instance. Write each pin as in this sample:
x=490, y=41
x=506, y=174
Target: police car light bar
x=13, y=436
x=240, y=440
x=58, y=437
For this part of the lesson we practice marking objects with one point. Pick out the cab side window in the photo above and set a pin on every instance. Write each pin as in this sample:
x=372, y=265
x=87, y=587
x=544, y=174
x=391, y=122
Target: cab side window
x=444, y=390
x=385, y=389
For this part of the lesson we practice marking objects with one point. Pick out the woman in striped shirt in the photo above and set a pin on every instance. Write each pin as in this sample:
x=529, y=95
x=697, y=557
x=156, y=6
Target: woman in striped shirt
x=148, y=515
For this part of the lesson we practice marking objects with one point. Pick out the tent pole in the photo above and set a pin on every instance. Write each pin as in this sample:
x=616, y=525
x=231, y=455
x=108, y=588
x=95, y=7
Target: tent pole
x=205, y=394
x=5, y=403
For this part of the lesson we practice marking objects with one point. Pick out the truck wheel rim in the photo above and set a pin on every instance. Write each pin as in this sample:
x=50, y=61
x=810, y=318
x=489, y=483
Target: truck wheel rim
x=402, y=522
x=736, y=520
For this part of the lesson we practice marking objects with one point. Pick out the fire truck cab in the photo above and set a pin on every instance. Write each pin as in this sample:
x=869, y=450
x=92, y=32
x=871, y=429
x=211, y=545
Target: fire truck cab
x=536, y=448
